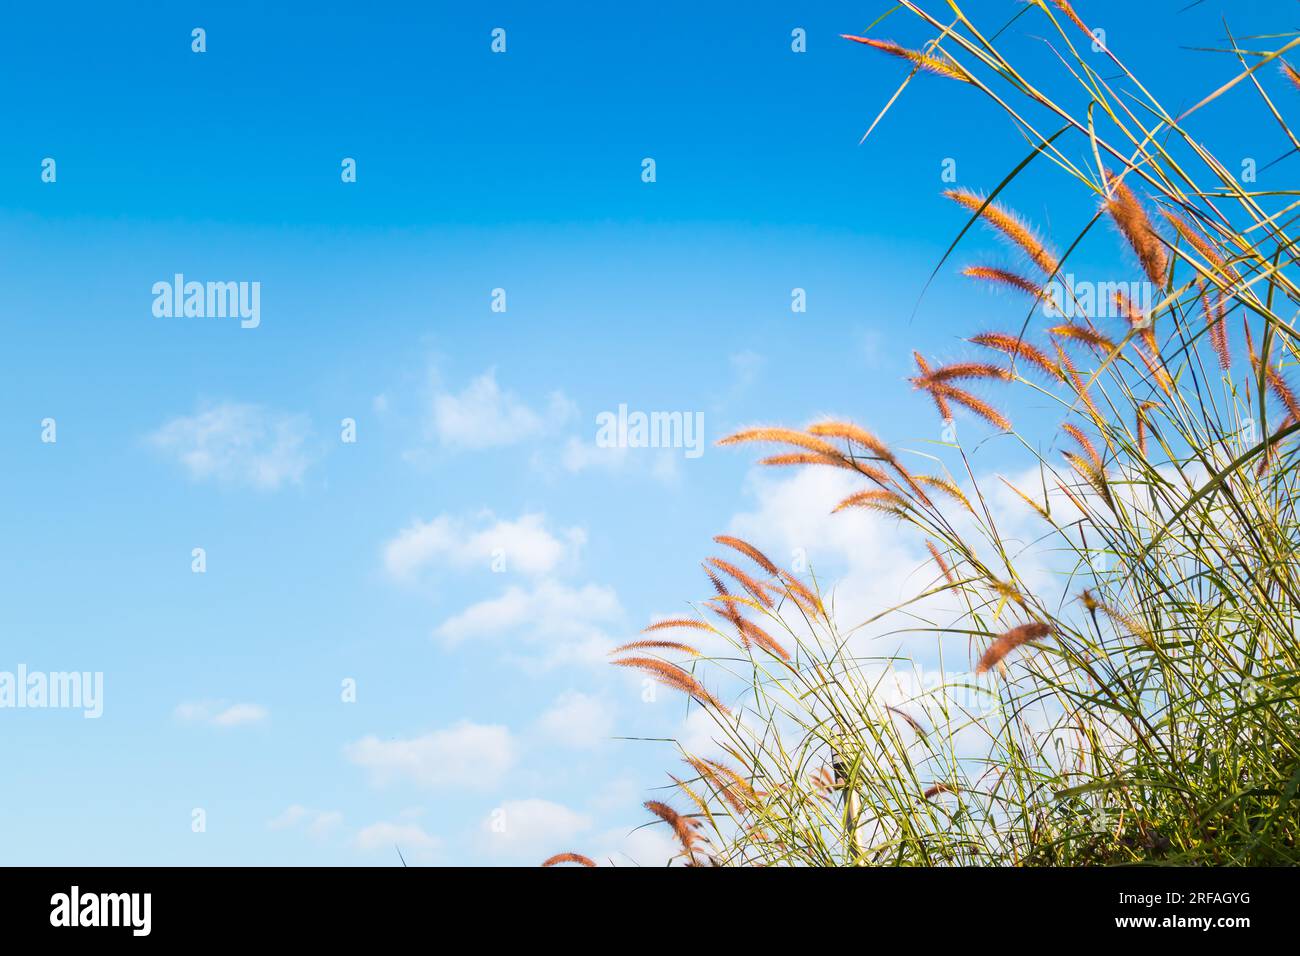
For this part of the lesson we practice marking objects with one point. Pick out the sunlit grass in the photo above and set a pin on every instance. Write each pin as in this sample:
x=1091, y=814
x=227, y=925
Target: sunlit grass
x=1143, y=706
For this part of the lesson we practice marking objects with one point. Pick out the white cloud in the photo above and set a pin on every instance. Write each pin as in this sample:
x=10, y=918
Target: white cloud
x=486, y=416
x=642, y=846
x=866, y=563
x=578, y=720
x=292, y=816
x=238, y=444
x=746, y=366
x=220, y=713
x=866, y=560
x=410, y=839
x=466, y=755
x=579, y=456
x=567, y=620
x=650, y=846
x=533, y=828
x=699, y=735
x=661, y=464
x=617, y=793
x=237, y=714
x=794, y=513
x=524, y=545
x=316, y=823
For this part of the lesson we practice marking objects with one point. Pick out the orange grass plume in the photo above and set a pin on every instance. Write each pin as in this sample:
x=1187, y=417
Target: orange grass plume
x=1008, y=642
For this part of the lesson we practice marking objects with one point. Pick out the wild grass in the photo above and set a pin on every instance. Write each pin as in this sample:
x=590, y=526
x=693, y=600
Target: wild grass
x=1137, y=704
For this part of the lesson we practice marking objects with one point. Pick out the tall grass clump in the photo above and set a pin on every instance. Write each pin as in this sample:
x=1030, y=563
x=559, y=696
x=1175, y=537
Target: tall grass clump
x=1119, y=685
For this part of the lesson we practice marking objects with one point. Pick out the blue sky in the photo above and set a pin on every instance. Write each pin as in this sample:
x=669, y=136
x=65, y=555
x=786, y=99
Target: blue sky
x=477, y=690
